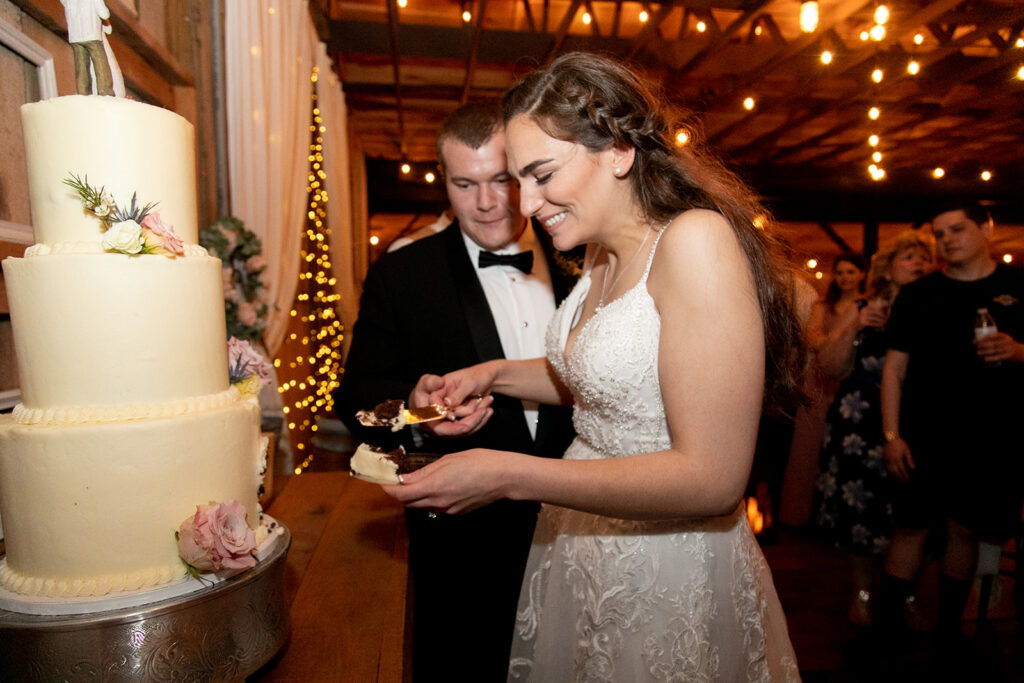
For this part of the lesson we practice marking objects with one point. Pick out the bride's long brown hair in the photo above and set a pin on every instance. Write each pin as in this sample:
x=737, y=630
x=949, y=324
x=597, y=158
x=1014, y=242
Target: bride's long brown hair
x=597, y=102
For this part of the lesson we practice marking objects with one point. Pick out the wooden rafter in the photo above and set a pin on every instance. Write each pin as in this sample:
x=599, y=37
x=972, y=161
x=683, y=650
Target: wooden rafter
x=474, y=51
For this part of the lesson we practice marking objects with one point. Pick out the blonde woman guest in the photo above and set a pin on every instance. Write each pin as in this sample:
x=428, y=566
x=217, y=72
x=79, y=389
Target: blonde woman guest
x=679, y=332
x=853, y=505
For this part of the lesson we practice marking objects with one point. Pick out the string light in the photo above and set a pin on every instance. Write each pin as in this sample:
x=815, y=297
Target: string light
x=876, y=157
x=913, y=67
x=826, y=57
x=808, y=16
x=405, y=169
x=586, y=18
x=918, y=38
x=1007, y=258
x=873, y=141
x=881, y=14
x=467, y=16
x=429, y=177
x=374, y=240
x=818, y=275
x=812, y=263
x=864, y=35
x=682, y=137
x=701, y=26
x=877, y=75
x=644, y=16
x=986, y=176
x=938, y=172
x=1019, y=43
x=1020, y=73
x=758, y=30
x=748, y=103
x=316, y=331
x=403, y=3
x=874, y=113
x=877, y=32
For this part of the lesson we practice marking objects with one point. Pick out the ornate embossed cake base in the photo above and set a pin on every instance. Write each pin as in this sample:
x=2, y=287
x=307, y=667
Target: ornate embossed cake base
x=221, y=633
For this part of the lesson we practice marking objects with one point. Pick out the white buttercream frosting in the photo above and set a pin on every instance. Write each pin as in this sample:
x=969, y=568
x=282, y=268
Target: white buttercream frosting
x=36, y=250
x=129, y=411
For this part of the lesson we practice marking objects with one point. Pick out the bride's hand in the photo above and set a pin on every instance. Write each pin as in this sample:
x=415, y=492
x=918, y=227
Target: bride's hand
x=466, y=393
x=462, y=420
x=458, y=482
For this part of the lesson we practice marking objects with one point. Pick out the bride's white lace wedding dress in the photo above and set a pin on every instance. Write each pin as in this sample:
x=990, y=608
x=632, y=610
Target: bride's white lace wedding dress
x=608, y=599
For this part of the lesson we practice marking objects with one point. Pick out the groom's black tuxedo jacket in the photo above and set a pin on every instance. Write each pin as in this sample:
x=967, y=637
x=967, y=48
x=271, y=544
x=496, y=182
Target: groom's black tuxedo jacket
x=423, y=311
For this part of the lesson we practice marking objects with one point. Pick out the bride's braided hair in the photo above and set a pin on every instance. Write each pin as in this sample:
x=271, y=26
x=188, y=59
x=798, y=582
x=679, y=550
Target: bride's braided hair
x=597, y=102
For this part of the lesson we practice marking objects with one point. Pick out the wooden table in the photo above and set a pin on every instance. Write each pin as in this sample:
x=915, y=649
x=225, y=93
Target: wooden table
x=345, y=579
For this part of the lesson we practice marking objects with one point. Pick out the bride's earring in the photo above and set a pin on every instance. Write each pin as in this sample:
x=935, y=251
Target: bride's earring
x=618, y=172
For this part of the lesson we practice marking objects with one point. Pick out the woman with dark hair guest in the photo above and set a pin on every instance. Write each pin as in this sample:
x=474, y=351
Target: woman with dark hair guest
x=679, y=332
x=854, y=503
x=846, y=287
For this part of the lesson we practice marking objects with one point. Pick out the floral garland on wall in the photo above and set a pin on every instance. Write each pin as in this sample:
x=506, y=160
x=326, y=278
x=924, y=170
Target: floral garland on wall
x=246, y=298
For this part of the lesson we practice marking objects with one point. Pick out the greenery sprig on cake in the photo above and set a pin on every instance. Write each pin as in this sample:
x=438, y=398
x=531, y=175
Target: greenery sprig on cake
x=131, y=229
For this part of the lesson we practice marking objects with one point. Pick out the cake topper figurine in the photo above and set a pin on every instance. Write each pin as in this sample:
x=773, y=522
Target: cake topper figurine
x=87, y=21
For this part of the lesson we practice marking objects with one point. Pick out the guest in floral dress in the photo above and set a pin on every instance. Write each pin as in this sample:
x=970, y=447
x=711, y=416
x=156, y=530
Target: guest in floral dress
x=853, y=506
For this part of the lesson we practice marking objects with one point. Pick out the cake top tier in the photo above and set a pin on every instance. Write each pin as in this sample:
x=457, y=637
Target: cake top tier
x=127, y=148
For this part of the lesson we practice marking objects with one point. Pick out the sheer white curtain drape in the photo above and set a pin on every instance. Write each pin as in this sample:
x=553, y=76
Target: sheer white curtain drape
x=270, y=48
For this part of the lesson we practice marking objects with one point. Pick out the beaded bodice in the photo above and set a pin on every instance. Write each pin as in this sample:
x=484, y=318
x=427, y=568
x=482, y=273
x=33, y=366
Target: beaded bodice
x=612, y=368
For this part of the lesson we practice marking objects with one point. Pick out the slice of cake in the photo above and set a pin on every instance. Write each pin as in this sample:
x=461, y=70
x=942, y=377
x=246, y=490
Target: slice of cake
x=394, y=414
x=377, y=464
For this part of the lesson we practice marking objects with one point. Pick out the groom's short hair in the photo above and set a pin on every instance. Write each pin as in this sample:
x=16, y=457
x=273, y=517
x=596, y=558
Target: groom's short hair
x=472, y=124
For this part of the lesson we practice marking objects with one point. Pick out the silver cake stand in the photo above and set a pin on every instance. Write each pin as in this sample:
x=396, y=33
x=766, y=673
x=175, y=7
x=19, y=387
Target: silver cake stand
x=220, y=633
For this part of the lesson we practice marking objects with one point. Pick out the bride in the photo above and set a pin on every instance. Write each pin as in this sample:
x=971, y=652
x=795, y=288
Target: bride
x=680, y=329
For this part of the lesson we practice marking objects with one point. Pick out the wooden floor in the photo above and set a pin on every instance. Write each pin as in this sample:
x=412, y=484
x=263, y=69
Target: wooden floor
x=346, y=579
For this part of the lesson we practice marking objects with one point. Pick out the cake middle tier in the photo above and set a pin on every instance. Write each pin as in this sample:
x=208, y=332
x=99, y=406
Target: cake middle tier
x=94, y=331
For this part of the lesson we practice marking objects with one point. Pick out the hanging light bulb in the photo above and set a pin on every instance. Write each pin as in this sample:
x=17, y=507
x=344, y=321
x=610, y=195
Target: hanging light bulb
x=812, y=263
x=809, y=16
x=877, y=32
x=429, y=177
x=644, y=16
x=682, y=137
x=374, y=240
x=877, y=75
x=1020, y=42
x=748, y=103
x=873, y=141
x=586, y=18
x=864, y=35
x=938, y=172
x=405, y=168
x=403, y=3
x=874, y=113
x=986, y=176
x=701, y=26
x=913, y=67
x=826, y=57
x=1020, y=74
x=876, y=157
x=1007, y=258
x=881, y=14
x=918, y=38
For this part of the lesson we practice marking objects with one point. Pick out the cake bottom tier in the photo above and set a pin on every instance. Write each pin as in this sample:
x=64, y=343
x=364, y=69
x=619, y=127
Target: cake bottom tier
x=92, y=509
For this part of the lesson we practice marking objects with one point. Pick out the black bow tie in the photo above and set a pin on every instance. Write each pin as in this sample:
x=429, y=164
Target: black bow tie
x=523, y=260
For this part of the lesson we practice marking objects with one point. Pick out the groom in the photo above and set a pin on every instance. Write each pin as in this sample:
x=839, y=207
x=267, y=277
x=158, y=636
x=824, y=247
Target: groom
x=483, y=288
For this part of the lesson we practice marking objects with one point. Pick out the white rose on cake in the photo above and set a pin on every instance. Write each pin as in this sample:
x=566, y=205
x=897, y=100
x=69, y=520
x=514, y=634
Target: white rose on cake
x=125, y=237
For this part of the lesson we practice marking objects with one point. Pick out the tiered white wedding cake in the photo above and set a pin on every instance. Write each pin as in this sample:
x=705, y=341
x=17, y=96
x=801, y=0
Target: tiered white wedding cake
x=127, y=420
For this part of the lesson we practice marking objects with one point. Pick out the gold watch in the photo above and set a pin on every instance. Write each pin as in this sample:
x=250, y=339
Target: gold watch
x=890, y=436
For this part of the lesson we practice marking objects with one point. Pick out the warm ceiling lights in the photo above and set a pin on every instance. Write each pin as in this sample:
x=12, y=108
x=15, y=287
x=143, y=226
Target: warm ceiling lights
x=938, y=172
x=644, y=16
x=877, y=32
x=873, y=141
x=874, y=113
x=467, y=16
x=877, y=75
x=403, y=3
x=405, y=168
x=808, y=16
x=1007, y=258
x=701, y=26
x=986, y=176
x=586, y=18
x=374, y=240
x=877, y=173
x=876, y=157
x=864, y=35
x=881, y=14
x=1020, y=73
x=812, y=263
x=748, y=103
x=918, y=38
x=429, y=177
x=682, y=137
x=913, y=67
x=1020, y=42
x=826, y=57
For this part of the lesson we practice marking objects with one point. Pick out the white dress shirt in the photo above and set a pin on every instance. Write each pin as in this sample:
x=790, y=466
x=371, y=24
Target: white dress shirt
x=521, y=304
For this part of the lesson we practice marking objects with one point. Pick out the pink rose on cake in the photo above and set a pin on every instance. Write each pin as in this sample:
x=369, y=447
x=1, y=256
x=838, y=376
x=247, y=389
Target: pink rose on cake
x=248, y=370
x=161, y=237
x=216, y=537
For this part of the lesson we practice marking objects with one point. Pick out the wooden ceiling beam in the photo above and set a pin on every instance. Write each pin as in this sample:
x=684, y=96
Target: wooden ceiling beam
x=653, y=25
x=563, y=30
x=529, y=16
x=397, y=71
x=755, y=11
x=474, y=51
